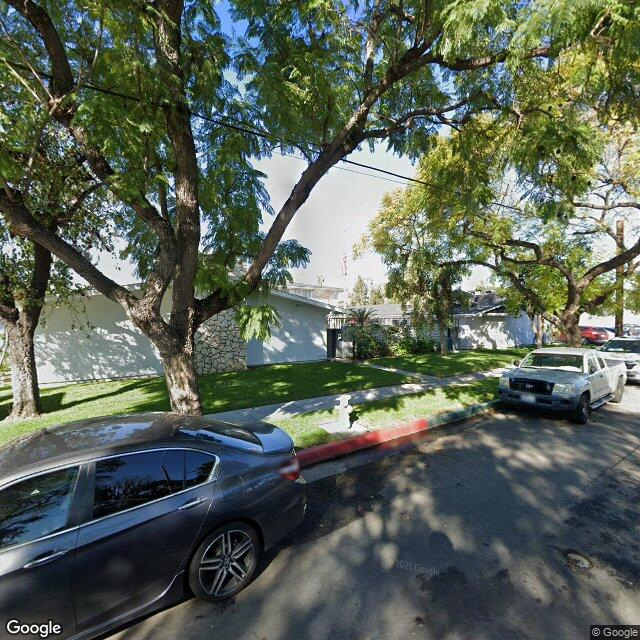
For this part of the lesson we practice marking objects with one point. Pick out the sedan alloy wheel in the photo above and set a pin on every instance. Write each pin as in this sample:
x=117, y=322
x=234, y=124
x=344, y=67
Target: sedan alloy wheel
x=225, y=562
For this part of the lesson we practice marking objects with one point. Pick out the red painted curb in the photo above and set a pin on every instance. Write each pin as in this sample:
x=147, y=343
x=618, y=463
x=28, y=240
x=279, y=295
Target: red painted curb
x=331, y=450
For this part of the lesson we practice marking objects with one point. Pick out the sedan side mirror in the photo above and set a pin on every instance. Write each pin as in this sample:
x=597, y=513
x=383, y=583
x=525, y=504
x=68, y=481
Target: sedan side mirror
x=517, y=363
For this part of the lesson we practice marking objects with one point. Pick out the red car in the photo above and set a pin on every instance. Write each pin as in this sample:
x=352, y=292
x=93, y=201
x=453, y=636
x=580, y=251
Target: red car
x=590, y=335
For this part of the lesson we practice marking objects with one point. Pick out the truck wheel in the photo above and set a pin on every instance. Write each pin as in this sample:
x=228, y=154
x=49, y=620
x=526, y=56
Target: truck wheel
x=582, y=413
x=619, y=392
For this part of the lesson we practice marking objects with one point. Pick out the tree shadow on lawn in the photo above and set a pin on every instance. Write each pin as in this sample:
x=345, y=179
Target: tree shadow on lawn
x=152, y=392
x=455, y=363
x=453, y=397
x=281, y=383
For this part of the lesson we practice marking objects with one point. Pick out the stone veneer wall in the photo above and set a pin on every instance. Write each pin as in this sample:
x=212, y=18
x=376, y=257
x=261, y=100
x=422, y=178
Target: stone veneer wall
x=219, y=345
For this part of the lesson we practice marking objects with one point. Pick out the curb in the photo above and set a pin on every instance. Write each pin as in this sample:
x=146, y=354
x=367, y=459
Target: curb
x=331, y=450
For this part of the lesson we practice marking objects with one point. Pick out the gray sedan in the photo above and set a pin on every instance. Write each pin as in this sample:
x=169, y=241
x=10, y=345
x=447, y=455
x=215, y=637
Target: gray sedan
x=104, y=520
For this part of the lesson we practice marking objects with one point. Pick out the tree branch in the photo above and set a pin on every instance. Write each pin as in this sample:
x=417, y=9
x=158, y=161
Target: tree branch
x=24, y=224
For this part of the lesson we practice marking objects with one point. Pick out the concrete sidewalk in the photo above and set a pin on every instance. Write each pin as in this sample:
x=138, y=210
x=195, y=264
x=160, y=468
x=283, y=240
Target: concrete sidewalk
x=323, y=403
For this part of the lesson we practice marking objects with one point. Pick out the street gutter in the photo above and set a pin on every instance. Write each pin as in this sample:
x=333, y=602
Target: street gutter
x=389, y=437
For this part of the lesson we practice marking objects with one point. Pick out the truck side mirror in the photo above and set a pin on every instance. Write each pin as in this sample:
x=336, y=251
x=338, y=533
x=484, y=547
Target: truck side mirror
x=517, y=363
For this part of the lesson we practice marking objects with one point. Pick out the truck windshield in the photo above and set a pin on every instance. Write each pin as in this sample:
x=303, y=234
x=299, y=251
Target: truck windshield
x=565, y=361
x=622, y=346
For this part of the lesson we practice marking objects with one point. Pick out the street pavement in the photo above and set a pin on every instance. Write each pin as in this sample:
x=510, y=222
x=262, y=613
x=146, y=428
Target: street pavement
x=515, y=525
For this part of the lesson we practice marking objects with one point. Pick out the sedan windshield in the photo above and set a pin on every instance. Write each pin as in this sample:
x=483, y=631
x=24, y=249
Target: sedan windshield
x=564, y=361
x=622, y=346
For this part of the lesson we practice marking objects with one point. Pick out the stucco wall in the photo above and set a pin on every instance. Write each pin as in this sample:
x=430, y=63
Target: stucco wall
x=91, y=343
x=302, y=336
x=494, y=332
x=93, y=339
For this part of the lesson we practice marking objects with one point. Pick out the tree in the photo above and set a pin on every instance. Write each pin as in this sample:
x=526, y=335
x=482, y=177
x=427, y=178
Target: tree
x=405, y=236
x=319, y=77
x=540, y=225
x=61, y=195
x=360, y=293
x=359, y=322
x=122, y=80
x=376, y=295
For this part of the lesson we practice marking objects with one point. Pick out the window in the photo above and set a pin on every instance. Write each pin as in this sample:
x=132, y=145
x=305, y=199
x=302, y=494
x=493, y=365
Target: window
x=623, y=346
x=186, y=469
x=593, y=365
x=129, y=481
x=198, y=467
x=36, y=507
x=173, y=466
x=548, y=360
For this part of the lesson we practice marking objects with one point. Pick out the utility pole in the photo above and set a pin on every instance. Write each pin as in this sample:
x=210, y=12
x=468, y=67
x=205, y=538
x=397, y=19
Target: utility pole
x=619, y=294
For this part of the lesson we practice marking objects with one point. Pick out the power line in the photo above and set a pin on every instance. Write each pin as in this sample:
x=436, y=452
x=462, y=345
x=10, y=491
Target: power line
x=266, y=135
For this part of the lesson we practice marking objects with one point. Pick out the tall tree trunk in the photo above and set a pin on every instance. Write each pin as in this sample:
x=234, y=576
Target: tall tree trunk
x=571, y=329
x=538, y=326
x=444, y=343
x=182, y=382
x=24, y=374
x=619, y=296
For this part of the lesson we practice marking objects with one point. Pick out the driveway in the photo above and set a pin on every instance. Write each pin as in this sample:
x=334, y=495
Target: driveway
x=468, y=534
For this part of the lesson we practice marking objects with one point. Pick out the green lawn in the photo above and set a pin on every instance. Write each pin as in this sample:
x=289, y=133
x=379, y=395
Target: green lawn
x=306, y=429
x=434, y=364
x=220, y=392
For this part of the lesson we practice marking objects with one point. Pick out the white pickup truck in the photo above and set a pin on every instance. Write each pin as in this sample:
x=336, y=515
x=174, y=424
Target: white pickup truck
x=563, y=379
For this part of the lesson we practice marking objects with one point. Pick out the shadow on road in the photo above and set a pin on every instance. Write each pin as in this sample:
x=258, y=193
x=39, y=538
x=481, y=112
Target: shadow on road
x=466, y=536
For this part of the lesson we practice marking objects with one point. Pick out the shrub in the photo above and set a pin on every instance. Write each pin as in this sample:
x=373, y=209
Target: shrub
x=370, y=342
x=424, y=344
x=403, y=343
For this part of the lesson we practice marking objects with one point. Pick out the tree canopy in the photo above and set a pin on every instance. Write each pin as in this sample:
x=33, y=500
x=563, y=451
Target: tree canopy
x=167, y=110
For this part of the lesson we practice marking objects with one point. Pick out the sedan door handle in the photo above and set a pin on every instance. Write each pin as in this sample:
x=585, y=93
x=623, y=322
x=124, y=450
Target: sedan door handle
x=192, y=503
x=50, y=557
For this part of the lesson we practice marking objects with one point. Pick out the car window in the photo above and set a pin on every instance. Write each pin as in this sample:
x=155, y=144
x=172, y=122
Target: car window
x=129, y=481
x=547, y=360
x=624, y=346
x=173, y=466
x=36, y=507
x=198, y=467
x=593, y=365
x=186, y=468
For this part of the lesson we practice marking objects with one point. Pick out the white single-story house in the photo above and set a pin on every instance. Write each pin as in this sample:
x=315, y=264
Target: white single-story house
x=483, y=324
x=90, y=338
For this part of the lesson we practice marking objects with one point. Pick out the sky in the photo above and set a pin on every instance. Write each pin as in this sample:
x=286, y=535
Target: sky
x=332, y=220
x=334, y=217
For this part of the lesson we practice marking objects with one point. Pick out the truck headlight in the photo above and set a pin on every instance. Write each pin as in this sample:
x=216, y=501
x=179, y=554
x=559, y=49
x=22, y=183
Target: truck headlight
x=563, y=388
x=504, y=382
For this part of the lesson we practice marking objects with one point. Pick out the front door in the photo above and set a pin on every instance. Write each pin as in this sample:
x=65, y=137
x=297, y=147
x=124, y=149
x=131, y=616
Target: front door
x=37, y=539
x=146, y=512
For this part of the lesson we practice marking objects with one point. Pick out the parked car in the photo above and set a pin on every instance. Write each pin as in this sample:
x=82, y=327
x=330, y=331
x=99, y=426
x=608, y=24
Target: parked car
x=104, y=520
x=562, y=379
x=590, y=335
x=594, y=335
x=631, y=330
x=627, y=351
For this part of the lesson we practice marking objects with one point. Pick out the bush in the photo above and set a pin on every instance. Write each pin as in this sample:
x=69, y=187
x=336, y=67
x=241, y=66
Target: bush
x=370, y=342
x=424, y=344
x=403, y=343
x=375, y=341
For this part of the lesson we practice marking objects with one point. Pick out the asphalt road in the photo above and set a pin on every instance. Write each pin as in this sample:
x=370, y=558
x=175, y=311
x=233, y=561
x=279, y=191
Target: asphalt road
x=468, y=534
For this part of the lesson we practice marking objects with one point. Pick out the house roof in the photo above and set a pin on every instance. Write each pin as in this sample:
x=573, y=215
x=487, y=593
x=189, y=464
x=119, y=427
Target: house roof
x=388, y=310
x=313, y=287
x=481, y=302
x=302, y=299
x=135, y=286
